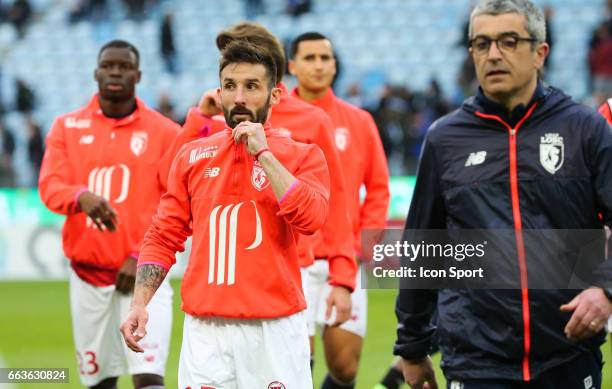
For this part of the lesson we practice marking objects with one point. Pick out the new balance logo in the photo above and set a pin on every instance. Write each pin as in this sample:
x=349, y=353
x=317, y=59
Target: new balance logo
x=77, y=123
x=223, y=243
x=101, y=183
x=476, y=158
x=86, y=139
x=202, y=153
x=211, y=172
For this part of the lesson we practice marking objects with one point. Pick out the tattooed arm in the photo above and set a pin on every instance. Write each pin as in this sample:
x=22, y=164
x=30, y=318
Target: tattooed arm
x=148, y=278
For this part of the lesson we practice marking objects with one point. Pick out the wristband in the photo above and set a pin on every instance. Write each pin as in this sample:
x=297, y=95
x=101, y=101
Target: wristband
x=256, y=156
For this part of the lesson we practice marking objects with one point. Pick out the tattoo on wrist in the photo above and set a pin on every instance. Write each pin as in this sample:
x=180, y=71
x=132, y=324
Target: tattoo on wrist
x=150, y=276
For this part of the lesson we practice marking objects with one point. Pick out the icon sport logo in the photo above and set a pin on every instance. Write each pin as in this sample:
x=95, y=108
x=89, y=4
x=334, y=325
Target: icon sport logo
x=223, y=243
x=276, y=385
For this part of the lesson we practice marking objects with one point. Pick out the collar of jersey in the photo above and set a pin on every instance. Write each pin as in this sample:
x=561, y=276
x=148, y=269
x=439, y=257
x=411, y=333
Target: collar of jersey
x=94, y=107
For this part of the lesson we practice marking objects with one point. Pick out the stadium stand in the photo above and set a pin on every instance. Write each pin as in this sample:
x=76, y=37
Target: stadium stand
x=408, y=41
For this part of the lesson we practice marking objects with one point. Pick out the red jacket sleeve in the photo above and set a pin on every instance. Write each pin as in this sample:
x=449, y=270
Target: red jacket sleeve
x=305, y=204
x=56, y=183
x=170, y=226
x=373, y=213
x=337, y=232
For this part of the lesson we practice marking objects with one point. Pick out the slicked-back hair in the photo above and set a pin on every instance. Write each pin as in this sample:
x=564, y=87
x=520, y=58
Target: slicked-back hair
x=120, y=44
x=257, y=35
x=535, y=23
x=307, y=36
x=245, y=52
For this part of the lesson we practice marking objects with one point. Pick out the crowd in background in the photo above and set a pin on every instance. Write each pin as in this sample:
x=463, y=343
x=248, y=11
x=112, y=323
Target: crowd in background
x=403, y=115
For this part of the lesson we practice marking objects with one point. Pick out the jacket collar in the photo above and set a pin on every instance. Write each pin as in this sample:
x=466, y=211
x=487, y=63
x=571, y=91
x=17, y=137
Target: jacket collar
x=94, y=107
x=491, y=108
x=324, y=101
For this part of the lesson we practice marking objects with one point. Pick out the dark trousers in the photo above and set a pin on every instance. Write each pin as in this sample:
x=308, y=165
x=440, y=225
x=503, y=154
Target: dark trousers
x=583, y=372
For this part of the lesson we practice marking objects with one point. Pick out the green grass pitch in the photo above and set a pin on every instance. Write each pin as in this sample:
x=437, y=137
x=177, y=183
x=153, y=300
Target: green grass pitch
x=35, y=331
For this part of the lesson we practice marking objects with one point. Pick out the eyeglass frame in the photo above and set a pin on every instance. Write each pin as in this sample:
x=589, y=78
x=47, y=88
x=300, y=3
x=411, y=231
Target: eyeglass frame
x=501, y=48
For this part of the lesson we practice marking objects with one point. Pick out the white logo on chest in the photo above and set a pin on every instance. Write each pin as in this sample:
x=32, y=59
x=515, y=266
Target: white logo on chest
x=476, y=158
x=551, y=152
x=258, y=177
x=138, y=143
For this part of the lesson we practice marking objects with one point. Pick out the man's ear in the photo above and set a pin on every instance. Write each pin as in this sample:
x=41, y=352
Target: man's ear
x=275, y=96
x=541, y=52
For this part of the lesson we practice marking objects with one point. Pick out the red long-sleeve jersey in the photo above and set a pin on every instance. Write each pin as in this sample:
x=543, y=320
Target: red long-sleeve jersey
x=307, y=124
x=244, y=260
x=114, y=158
x=363, y=161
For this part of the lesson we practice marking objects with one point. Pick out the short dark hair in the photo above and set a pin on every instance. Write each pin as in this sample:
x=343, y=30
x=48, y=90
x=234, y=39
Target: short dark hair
x=307, y=36
x=244, y=52
x=257, y=35
x=120, y=44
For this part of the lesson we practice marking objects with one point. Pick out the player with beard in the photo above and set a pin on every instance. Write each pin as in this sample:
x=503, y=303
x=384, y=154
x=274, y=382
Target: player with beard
x=364, y=164
x=304, y=123
x=245, y=192
x=100, y=170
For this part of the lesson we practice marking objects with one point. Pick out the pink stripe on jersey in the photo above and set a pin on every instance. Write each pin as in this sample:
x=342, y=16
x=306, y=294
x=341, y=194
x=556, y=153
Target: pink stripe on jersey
x=291, y=188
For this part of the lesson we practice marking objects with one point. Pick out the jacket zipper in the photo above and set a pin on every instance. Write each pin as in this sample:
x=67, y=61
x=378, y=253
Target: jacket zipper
x=518, y=233
x=236, y=168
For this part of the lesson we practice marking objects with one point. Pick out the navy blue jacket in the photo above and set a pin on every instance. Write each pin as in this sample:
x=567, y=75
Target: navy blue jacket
x=481, y=168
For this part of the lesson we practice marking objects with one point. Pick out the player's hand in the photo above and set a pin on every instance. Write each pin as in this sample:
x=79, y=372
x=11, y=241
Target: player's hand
x=210, y=103
x=99, y=210
x=419, y=374
x=252, y=134
x=133, y=328
x=126, y=276
x=591, y=312
x=339, y=298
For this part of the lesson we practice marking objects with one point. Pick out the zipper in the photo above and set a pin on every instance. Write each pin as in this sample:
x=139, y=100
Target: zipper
x=518, y=233
x=236, y=168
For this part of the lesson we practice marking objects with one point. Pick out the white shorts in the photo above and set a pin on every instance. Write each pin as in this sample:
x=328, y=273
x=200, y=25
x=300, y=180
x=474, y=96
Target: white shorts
x=97, y=313
x=220, y=353
x=316, y=289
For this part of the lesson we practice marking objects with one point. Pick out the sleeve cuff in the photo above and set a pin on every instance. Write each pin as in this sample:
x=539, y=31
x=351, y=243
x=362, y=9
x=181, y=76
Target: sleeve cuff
x=78, y=195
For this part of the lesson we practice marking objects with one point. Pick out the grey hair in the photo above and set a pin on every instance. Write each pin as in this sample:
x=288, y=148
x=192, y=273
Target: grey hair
x=535, y=23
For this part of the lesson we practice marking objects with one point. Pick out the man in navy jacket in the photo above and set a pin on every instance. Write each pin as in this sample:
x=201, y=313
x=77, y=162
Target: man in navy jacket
x=518, y=156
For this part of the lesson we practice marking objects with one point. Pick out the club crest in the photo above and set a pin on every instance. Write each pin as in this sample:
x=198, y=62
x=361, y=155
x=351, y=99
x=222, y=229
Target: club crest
x=551, y=152
x=138, y=143
x=342, y=138
x=258, y=177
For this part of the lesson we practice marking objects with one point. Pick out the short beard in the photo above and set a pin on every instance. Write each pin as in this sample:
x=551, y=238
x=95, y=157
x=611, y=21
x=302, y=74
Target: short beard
x=259, y=116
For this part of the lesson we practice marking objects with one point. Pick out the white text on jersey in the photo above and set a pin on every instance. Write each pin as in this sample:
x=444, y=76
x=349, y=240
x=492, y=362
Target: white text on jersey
x=202, y=153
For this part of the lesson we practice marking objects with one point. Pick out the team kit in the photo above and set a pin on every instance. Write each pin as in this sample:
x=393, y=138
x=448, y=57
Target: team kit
x=275, y=187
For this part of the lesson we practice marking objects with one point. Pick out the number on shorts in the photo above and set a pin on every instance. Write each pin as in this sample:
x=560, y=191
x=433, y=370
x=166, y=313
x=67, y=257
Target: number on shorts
x=91, y=361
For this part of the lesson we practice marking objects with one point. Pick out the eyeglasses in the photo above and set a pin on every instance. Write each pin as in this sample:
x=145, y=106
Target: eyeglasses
x=505, y=43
